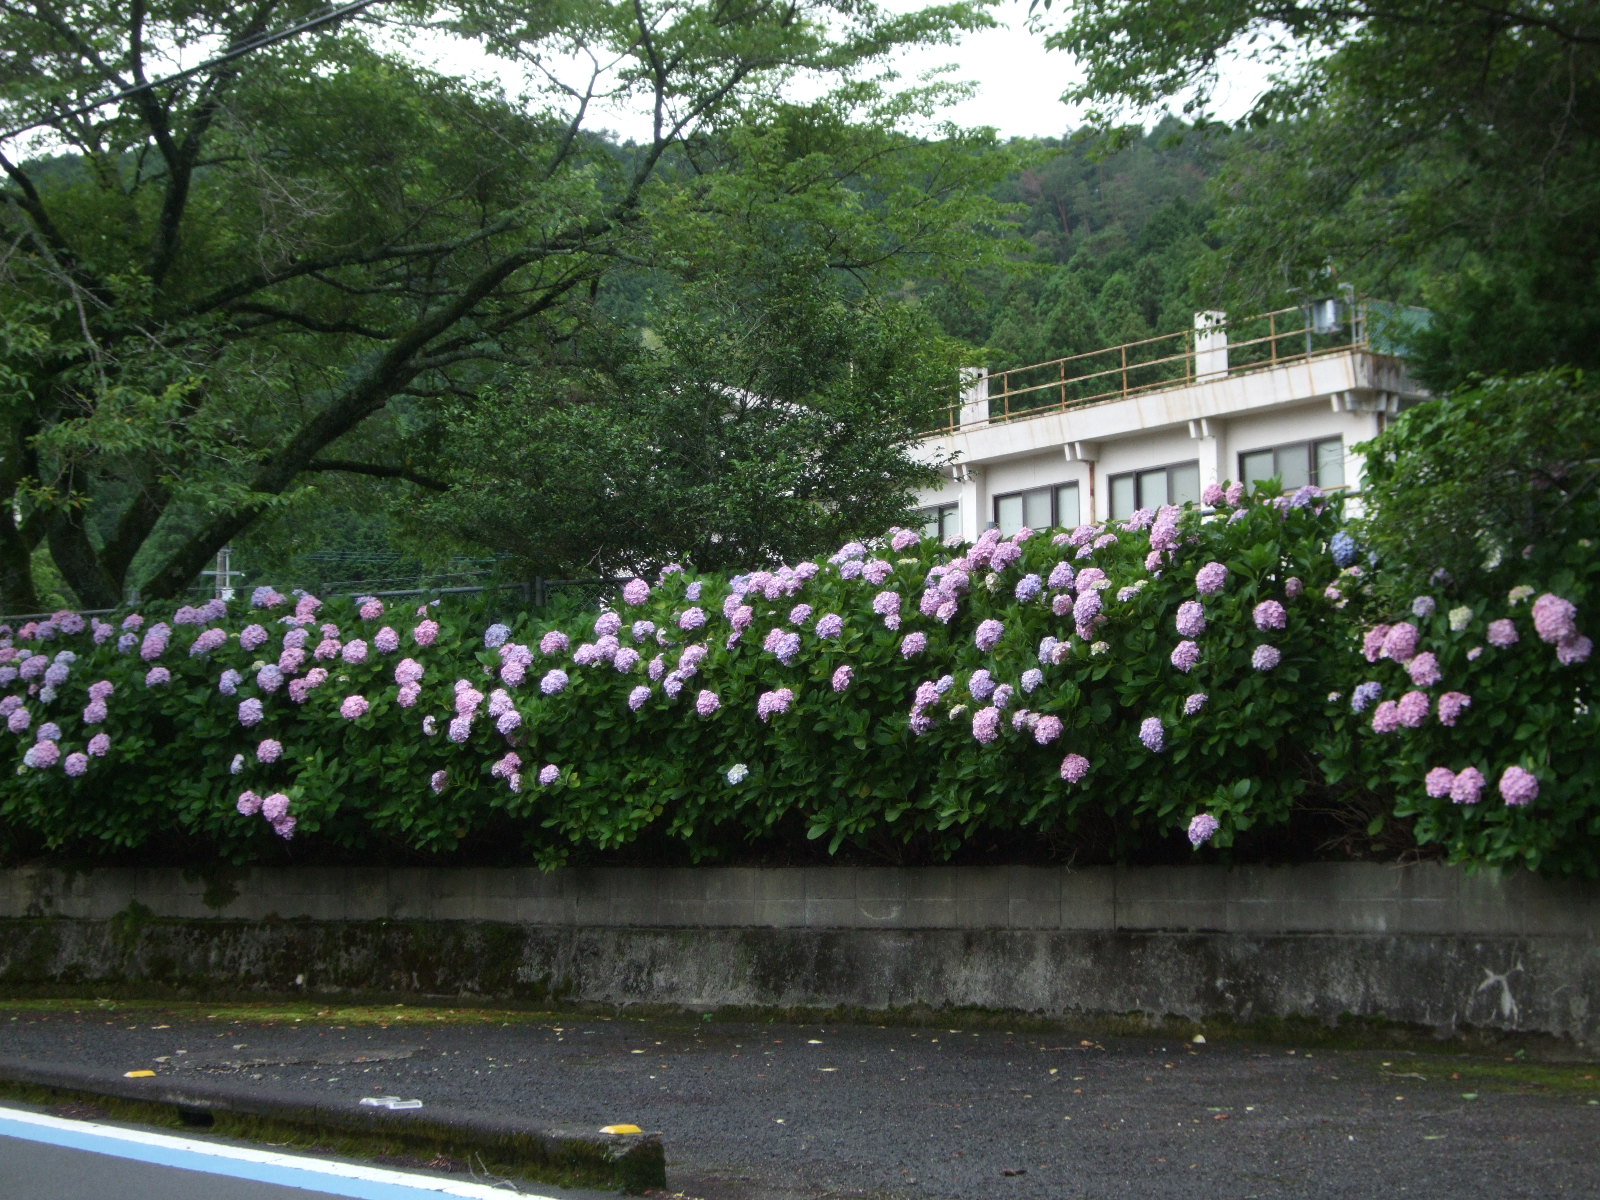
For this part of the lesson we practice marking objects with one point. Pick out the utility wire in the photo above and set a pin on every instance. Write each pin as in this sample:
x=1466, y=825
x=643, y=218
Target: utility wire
x=239, y=51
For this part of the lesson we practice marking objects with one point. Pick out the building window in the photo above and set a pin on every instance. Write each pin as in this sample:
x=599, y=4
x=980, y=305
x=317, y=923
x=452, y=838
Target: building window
x=1037, y=508
x=941, y=521
x=1296, y=464
x=1178, y=483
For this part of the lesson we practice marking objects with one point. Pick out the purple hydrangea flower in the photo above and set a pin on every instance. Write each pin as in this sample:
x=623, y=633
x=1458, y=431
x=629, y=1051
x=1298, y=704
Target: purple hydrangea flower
x=371, y=608
x=509, y=721
x=1386, y=717
x=1210, y=579
x=1194, y=703
x=1153, y=734
x=554, y=682
x=886, y=604
x=1191, y=618
x=1061, y=576
x=1413, y=709
x=157, y=677
x=426, y=632
x=99, y=745
x=548, y=774
x=248, y=804
x=635, y=592
x=1074, y=767
x=460, y=729
x=1424, y=669
x=1270, y=614
x=1202, y=828
x=607, y=625
x=1424, y=607
x=437, y=781
x=386, y=640
x=1439, y=781
x=1554, y=620
x=776, y=701
x=1265, y=657
x=829, y=625
x=1573, y=650
x=988, y=635
x=1501, y=633
x=275, y=807
x=1519, y=786
x=691, y=618
x=904, y=539
x=707, y=702
x=981, y=685
x=94, y=713
x=1365, y=695
x=1185, y=655
x=1468, y=786
x=19, y=720
x=269, y=750
x=913, y=644
x=800, y=614
x=1450, y=706
x=250, y=712
x=843, y=677
x=42, y=755
x=353, y=707
x=1400, y=642
x=1032, y=678
x=76, y=764
x=986, y=724
x=1047, y=729
x=495, y=636
x=1029, y=588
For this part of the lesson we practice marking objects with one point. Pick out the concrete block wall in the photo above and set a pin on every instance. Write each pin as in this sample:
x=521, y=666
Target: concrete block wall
x=1422, y=944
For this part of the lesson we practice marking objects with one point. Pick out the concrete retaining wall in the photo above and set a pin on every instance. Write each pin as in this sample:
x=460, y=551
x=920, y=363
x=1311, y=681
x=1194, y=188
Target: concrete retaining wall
x=1423, y=945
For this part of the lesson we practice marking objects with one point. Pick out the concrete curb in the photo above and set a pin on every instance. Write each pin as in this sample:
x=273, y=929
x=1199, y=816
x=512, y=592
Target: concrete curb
x=631, y=1163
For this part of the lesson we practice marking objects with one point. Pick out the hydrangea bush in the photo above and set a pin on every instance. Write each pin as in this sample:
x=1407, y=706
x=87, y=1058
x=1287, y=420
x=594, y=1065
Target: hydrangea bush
x=1174, y=679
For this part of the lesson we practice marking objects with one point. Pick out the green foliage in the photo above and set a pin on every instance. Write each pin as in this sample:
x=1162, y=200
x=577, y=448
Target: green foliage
x=301, y=263
x=1439, y=153
x=1484, y=484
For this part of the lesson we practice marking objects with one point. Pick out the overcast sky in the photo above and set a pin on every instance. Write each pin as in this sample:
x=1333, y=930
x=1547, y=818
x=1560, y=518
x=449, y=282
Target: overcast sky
x=1019, y=81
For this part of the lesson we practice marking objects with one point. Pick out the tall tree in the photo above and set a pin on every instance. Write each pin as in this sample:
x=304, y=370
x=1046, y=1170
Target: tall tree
x=1445, y=148
x=217, y=287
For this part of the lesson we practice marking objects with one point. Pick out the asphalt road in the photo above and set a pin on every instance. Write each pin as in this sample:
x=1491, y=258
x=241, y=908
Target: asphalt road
x=789, y=1112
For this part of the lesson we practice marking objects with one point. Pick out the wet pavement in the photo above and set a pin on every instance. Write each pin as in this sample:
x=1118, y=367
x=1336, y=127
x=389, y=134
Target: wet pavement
x=772, y=1111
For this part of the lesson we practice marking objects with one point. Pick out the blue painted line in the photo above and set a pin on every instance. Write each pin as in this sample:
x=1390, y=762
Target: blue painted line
x=233, y=1162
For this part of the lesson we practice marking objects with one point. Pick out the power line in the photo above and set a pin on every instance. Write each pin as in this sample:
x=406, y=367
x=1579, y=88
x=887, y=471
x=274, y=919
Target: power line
x=239, y=51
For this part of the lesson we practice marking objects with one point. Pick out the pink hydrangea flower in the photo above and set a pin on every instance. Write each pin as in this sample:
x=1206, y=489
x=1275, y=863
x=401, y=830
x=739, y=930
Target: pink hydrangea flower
x=1424, y=669
x=914, y=644
x=386, y=640
x=1386, y=717
x=1554, y=619
x=1074, y=767
x=635, y=592
x=1501, y=633
x=99, y=746
x=355, y=652
x=1450, y=706
x=1265, y=657
x=250, y=712
x=775, y=701
x=76, y=764
x=1439, y=781
x=275, y=807
x=1400, y=643
x=986, y=724
x=1468, y=786
x=1573, y=650
x=692, y=618
x=426, y=632
x=270, y=750
x=1519, y=786
x=353, y=707
x=1047, y=729
x=1412, y=709
x=248, y=804
x=371, y=608
x=437, y=781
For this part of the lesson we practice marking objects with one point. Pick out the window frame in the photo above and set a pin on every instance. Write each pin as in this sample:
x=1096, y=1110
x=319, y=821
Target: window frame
x=1135, y=474
x=936, y=513
x=1309, y=446
x=1053, y=489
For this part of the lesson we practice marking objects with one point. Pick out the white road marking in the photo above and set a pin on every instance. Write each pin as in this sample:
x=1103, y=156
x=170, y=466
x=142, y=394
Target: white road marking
x=264, y=1166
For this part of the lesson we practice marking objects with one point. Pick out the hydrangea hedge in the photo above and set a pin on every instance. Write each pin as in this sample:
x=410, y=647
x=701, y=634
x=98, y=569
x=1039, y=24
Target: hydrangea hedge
x=1179, y=678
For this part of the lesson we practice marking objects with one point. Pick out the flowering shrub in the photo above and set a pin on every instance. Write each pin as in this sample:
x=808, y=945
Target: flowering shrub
x=1177, y=679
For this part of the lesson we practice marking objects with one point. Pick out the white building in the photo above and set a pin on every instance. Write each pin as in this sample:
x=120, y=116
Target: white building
x=1093, y=437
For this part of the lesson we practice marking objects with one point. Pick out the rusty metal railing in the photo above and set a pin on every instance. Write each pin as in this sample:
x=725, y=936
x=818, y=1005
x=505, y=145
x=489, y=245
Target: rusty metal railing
x=1261, y=342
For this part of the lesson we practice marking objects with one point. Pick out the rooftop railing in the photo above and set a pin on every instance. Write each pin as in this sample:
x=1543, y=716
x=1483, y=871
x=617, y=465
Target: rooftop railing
x=1216, y=348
